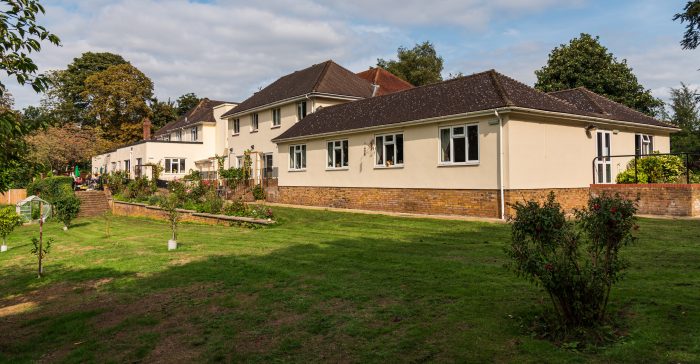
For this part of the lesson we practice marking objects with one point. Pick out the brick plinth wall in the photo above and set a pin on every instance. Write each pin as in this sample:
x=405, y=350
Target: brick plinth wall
x=658, y=199
x=140, y=210
x=568, y=198
x=481, y=203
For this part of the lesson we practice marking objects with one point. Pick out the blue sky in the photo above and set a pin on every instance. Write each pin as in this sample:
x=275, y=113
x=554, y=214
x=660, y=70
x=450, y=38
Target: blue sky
x=228, y=49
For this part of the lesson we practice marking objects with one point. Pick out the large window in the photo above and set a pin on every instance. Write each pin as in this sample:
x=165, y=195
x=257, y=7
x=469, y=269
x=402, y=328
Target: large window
x=193, y=134
x=297, y=157
x=459, y=144
x=643, y=144
x=174, y=165
x=301, y=109
x=389, y=150
x=276, y=117
x=337, y=154
x=234, y=125
x=254, y=122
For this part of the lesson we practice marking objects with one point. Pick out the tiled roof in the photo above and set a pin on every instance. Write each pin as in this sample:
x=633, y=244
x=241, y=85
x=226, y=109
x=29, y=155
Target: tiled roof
x=203, y=112
x=481, y=91
x=327, y=77
x=387, y=81
x=590, y=101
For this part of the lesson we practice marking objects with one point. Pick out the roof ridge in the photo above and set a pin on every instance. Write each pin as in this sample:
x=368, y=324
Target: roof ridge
x=546, y=94
x=323, y=73
x=499, y=88
x=627, y=107
x=587, y=94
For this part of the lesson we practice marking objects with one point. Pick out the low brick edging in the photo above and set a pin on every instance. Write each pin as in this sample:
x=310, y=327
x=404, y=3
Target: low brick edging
x=657, y=199
x=121, y=208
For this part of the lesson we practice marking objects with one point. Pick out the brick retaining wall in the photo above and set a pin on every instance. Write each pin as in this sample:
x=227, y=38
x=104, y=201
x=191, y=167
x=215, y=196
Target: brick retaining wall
x=141, y=210
x=658, y=199
x=568, y=198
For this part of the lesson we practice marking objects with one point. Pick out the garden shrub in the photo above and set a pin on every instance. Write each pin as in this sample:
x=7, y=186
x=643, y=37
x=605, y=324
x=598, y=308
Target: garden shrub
x=240, y=208
x=155, y=200
x=258, y=192
x=138, y=188
x=655, y=169
x=9, y=220
x=117, y=181
x=67, y=209
x=51, y=189
x=576, y=262
x=211, y=204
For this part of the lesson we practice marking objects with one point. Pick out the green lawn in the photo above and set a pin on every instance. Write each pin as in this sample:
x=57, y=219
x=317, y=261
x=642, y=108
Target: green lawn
x=322, y=287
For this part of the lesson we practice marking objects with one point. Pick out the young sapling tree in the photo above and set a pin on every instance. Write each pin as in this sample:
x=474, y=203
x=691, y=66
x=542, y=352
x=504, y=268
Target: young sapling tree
x=9, y=220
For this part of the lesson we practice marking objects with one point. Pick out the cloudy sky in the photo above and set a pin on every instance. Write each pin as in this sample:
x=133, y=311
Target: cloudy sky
x=227, y=49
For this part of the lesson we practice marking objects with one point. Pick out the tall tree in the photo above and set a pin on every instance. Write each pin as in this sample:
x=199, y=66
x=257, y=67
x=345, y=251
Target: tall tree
x=690, y=14
x=685, y=105
x=419, y=66
x=162, y=112
x=118, y=99
x=20, y=36
x=186, y=102
x=585, y=62
x=68, y=95
x=60, y=148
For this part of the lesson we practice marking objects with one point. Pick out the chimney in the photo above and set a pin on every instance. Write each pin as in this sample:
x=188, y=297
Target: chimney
x=146, y=129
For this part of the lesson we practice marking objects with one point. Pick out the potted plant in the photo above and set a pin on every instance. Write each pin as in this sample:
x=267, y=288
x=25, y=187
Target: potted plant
x=170, y=206
x=9, y=220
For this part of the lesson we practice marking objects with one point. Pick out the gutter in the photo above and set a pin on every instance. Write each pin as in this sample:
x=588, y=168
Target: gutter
x=290, y=99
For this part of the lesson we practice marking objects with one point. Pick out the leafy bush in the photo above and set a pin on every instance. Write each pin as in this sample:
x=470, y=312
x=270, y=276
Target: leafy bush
x=138, y=188
x=232, y=176
x=259, y=192
x=655, y=169
x=235, y=208
x=576, y=262
x=9, y=220
x=117, y=181
x=240, y=208
x=155, y=200
x=67, y=209
x=51, y=189
x=212, y=203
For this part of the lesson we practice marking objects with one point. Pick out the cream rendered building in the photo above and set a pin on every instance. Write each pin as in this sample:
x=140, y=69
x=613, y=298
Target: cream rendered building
x=466, y=146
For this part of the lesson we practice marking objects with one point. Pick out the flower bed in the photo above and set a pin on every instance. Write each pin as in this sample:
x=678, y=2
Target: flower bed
x=142, y=210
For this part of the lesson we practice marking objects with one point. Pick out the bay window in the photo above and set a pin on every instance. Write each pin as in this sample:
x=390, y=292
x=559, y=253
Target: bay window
x=459, y=144
x=337, y=154
x=297, y=157
x=389, y=150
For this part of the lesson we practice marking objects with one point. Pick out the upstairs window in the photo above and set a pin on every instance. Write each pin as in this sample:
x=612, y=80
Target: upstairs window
x=276, y=117
x=297, y=157
x=301, y=109
x=254, y=122
x=337, y=154
x=459, y=144
x=178, y=135
x=235, y=126
x=643, y=144
x=389, y=150
x=193, y=134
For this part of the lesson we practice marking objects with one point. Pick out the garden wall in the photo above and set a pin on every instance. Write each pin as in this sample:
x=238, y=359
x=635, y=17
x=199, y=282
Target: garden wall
x=13, y=196
x=658, y=199
x=141, y=210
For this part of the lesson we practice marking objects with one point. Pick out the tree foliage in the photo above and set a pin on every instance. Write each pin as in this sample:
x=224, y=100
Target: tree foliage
x=690, y=14
x=585, y=62
x=186, y=102
x=9, y=220
x=685, y=108
x=13, y=128
x=419, y=66
x=117, y=99
x=21, y=35
x=60, y=148
x=162, y=112
x=68, y=96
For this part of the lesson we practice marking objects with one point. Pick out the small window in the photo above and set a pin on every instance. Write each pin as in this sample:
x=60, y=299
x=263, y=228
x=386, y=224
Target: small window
x=337, y=154
x=301, y=109
x=297, y=157
x=389, y=150
x=236, y=126
x=239, y=159
x=459, y=144
x=193, y=134
x=167, y=138
x=254, y=122
x=643, y=144
x=276, y=117
x=127, y=166
x=178, y=135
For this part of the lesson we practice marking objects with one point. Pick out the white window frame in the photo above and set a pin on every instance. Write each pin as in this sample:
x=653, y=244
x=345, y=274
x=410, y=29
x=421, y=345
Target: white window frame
x=646, y=144
x=276, y=117
x=467, y=161
x=603, y=162
x=236, y=126
x=332, y=146
x=254, y=122
x=240, y=160
x=170, y=161
x=384, y=144
x=297, y=153
x=302, y=110
x=194, y=135
x=178, y=135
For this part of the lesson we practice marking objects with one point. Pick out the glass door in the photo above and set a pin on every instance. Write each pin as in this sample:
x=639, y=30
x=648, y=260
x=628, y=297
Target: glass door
x=603, y=161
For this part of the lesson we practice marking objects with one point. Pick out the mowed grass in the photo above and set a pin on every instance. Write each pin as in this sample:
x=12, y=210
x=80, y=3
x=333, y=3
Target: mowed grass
x=322, y=287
